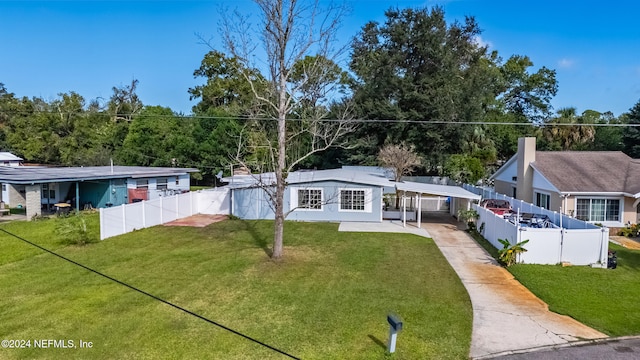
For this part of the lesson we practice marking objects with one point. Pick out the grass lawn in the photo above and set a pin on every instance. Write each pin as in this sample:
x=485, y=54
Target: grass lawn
x=328, y=298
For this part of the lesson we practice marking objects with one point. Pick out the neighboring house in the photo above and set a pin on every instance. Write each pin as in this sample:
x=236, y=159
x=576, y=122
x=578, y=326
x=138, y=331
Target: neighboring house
x=595, y=186
x=347, y=194
x=38, y=188
x=8, y=159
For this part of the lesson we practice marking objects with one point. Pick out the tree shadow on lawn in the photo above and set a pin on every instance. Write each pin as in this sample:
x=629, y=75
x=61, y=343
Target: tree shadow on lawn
x=258, y=238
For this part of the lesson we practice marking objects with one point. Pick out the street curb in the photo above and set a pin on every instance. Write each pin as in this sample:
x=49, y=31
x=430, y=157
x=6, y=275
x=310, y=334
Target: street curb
x=556, y=346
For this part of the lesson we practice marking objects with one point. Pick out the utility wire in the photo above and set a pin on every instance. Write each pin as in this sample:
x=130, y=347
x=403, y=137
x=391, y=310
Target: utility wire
x=151, y=295
x=424, y=122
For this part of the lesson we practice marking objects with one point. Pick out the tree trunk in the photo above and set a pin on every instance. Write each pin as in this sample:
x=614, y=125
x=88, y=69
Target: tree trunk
x=281, y=175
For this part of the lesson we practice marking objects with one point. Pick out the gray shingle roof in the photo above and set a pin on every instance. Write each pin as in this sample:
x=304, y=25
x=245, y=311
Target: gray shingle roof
x=36, y=174
x=589, y=171
x=350, y=175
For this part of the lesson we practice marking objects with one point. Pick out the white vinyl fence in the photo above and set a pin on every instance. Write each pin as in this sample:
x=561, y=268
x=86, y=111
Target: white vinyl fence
x=129, y=217
x=575, y=241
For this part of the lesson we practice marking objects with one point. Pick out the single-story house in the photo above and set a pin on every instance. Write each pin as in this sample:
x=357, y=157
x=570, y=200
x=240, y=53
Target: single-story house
x=595, y=186
x=8, y=159
x=347, y=194
x=38, y=188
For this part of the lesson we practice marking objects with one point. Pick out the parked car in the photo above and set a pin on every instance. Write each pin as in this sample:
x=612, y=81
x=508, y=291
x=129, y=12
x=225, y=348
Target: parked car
x=498, y=207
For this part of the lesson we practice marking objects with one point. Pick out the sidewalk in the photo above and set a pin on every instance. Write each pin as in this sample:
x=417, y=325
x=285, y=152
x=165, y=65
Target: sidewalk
x=506, y=315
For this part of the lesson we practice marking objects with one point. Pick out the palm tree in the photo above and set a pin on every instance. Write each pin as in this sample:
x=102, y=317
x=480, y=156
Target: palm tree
x=568, y=131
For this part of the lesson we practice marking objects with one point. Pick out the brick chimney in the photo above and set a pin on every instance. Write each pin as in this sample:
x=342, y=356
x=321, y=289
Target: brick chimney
x=526, y=155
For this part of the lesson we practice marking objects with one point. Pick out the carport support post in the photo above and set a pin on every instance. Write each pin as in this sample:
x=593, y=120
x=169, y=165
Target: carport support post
x=77, y=197
x=404, y=210
x=419, y=209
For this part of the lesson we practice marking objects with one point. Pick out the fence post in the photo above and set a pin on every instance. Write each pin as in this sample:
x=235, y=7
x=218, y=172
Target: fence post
x=190, y=203
x=177, y=206
x=101, y=224
x=161, y=210
x=144, y=215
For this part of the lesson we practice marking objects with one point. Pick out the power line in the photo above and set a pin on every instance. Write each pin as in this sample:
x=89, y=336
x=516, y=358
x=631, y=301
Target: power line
x=151, y=295
x=392, y=121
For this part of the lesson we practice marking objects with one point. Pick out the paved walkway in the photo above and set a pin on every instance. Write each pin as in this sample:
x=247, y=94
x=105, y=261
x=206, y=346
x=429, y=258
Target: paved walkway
x=506, y=315
x=632, y=244
x=391, y=226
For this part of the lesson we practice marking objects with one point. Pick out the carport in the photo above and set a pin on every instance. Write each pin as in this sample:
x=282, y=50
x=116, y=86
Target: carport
x=460, y=198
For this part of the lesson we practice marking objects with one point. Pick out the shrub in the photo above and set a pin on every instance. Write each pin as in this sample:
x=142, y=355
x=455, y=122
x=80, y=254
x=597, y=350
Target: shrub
x=73, y=230
x=470, y=217
x=509, y=253
x=632, y=230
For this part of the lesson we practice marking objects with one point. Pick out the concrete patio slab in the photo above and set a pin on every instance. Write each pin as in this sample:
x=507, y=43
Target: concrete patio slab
x=198, y=220
x=388, y=226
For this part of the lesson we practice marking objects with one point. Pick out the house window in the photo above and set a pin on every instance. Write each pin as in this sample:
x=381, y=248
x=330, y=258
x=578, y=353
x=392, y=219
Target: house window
x=161, y=184
x=598, y=209
x=142, y=184
x=543, y=200
x=352, y=200
x=45, y=191
x=310, y=199
x=177, y=180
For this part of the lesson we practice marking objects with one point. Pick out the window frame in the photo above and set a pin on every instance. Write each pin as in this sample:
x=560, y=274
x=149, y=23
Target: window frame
x=605, y=206
x=297, y=203
x=162, y=185
x=539, y=195
x=366, y=200
x=140, y=185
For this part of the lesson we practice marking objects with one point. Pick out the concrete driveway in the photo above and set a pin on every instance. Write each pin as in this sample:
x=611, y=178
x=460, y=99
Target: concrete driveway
x=506, y=316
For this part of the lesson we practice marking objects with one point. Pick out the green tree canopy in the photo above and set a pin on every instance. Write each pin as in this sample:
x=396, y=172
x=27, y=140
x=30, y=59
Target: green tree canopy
x=631, y=134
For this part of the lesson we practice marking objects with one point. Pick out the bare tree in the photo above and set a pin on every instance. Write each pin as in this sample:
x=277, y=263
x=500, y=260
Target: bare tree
x=401, y=159
x=124, y=103
x=290, y=127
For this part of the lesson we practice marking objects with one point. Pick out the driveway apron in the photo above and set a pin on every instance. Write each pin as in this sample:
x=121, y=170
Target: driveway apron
x=506, y=315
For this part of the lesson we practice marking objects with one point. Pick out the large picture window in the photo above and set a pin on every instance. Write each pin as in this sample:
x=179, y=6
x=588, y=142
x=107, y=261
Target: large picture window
x=310, y=199
x=352, y=200
x=598, y=209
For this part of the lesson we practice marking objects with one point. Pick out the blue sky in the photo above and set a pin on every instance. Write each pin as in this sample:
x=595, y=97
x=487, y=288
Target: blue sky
x=48, y=47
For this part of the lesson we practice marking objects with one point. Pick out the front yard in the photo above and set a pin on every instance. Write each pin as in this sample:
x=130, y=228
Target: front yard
x=328, y=299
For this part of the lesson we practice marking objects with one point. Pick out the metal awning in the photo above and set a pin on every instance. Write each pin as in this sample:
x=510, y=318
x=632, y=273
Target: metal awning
x=435, y=189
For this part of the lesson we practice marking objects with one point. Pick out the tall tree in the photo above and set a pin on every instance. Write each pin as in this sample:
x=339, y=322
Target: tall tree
x=608, y=136
x=157, y=137
x=524, y=94
x=631, y=134
x=226, y=87
x=291, y=30
x=416, y=67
